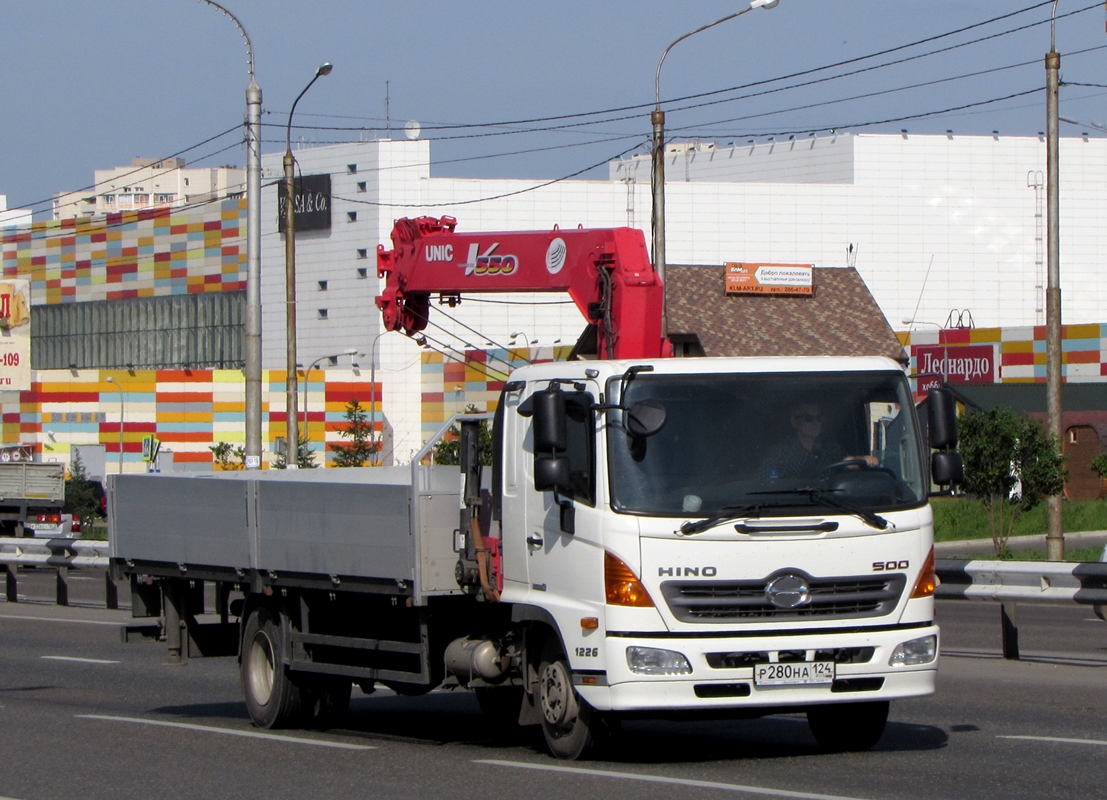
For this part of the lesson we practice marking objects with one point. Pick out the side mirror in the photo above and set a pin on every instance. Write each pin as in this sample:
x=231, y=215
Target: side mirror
x=941, y=409
x=549, y=421
x=946, y=468
x=645, y=418
x=551, y=473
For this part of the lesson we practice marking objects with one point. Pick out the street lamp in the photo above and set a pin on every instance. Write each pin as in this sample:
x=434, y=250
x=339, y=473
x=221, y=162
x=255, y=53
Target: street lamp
x=517, y=334
x=657, y=119
x=119, y=389
x=351, y=351
x=292, y=404
x=253, y=253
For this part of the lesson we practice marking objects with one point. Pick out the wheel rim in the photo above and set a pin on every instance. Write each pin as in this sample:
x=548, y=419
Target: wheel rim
x=559, y=705
x=262, y=674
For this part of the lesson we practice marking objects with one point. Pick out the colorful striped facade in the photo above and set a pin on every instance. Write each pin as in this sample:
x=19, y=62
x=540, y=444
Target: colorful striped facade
x=1021, y=351
x=452, y=385
x=147, y=253
x=187, y=410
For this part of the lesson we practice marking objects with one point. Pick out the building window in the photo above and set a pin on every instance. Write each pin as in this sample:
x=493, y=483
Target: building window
x=322, y=313
x=322, y=286
x=362, y=272
x=142, y=199
x=109, y=199
x=361, y=186
x=351, y=169
x=164, y=198
x=351, y=216
x=363, y=252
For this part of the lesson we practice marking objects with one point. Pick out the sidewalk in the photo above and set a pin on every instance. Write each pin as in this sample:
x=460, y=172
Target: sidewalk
x=983, y=547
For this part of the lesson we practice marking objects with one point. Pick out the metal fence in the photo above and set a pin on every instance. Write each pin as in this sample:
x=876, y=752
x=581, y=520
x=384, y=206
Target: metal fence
x=61, y=555
x=1012, y=582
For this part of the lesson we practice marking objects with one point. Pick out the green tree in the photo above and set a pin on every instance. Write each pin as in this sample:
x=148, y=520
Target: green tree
x=359, y=430
x=81, y=497
x=229, y=457
x=1010, y=465
x=305, y=457
x=447, y=451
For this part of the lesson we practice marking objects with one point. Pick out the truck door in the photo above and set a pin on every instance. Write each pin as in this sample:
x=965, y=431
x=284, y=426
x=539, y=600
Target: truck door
x=564, y=551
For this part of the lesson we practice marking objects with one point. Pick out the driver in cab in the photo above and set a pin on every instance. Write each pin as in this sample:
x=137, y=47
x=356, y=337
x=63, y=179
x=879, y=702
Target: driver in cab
x=807, y=453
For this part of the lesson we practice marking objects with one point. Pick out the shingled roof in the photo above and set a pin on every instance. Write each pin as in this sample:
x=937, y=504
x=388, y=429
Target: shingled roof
x=840, y=318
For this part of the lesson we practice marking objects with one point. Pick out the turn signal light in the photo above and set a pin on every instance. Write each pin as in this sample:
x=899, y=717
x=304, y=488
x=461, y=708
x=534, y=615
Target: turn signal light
x=623, y=586
x=928, y=579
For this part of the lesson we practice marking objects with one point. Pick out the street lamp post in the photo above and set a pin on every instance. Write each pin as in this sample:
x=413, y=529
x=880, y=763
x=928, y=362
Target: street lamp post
x=657, y=120
x=517, y=334
x=373, y=397
x=1055, y=540
x=292, y=404
x=119, y=389
x=351, y=351
x=253, y=253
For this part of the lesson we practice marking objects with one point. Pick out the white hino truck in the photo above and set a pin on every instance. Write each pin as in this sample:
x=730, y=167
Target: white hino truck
x=653, y=538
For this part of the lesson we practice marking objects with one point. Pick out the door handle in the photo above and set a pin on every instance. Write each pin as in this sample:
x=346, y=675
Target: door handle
x=534, y=540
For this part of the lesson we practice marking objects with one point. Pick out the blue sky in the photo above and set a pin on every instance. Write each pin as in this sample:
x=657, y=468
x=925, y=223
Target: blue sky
x=89, y=84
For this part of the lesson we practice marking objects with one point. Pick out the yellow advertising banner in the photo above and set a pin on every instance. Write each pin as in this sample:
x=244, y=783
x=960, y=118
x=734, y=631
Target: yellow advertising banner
x=752, y=278
x=15, y=335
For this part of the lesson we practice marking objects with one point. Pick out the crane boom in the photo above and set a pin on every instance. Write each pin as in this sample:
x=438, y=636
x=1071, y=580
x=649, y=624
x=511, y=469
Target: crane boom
x=606, y=271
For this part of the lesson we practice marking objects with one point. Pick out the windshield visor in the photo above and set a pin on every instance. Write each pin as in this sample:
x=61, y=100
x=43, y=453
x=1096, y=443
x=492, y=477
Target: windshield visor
x=737, y=440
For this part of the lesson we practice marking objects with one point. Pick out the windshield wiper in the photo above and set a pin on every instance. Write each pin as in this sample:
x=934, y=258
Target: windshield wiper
x=724, y=514
x=827, y=496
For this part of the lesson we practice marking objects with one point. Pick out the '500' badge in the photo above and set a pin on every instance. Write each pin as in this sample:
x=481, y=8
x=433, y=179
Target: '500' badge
x=487, y=263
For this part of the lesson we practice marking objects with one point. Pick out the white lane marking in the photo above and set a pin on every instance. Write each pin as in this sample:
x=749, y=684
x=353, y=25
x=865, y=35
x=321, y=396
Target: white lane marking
x=228, y=731
x=80, y=660
x=683, y=782
x=60, y=619
x=1057, y=739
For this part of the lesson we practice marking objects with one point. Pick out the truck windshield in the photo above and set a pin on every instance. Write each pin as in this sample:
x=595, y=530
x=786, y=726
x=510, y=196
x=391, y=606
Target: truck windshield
x=765, y=441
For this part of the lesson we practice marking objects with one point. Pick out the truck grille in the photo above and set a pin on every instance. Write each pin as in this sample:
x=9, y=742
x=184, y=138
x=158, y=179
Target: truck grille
x=737, y=601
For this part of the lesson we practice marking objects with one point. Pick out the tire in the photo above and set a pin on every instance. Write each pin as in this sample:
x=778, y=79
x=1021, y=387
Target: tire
x=848, y=727
x=501, y=705
x=325, y=700
x=571, y=727
x=272, y=697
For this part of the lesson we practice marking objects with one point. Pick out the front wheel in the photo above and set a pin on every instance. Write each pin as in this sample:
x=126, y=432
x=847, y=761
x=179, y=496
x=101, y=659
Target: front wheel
x=272, y=698
x=571, y=727
x=848, y=727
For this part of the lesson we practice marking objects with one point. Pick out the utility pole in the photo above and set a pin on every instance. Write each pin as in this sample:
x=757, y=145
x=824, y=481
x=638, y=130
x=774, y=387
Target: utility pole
x=1055, y=540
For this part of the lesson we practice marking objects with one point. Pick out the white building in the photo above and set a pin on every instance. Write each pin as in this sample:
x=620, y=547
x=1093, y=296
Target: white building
x=932, y=223
x=150, y=183
x=13, y=216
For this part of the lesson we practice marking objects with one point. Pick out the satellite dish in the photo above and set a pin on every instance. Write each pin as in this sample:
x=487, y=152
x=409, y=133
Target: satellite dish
x=412, y=129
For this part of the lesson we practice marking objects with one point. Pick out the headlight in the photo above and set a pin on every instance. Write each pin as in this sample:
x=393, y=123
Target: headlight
x=651, y=661
x=915, y=652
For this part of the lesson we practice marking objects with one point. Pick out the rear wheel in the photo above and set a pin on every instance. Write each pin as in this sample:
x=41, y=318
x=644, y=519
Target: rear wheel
x=272, y=697
x=848, y=727
x=572, y=728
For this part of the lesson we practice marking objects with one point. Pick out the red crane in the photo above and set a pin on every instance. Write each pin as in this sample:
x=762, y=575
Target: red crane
x=606, y=271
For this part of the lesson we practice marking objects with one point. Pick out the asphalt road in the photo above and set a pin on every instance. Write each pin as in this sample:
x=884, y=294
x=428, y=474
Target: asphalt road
x=83, y=715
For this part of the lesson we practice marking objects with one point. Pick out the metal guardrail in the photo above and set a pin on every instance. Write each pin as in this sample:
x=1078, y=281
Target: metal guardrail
x=61, y=555
x=1012, y=582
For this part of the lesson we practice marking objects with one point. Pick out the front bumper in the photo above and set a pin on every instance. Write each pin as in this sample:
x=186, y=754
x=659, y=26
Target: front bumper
x=713, y=684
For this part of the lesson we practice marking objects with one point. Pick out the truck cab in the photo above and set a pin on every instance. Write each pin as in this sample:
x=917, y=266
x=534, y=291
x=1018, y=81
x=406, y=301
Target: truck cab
x=713, y=535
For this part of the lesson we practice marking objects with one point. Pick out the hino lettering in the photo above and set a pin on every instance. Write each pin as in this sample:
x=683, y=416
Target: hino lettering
x=687, y=572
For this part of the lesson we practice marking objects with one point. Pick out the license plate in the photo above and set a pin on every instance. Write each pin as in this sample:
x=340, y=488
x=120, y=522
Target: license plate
x=794, y=674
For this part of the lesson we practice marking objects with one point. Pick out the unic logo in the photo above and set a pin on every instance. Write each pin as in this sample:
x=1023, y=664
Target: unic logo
x=487, y=263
